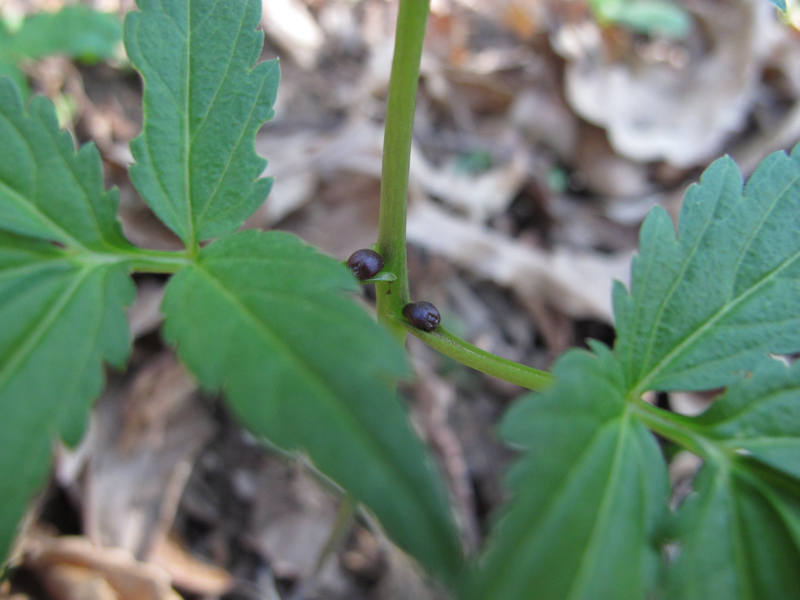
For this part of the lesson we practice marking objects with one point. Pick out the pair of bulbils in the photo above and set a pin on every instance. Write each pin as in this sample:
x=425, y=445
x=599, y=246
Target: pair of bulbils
x=366, y=264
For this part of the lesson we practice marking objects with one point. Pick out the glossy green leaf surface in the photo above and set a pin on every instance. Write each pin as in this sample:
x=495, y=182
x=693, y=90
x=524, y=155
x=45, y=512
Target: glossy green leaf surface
x=740, y=534
x=62, y=317
x=47, y=189
x=589, y=494
x=204, y=100
x=262, y=316
x=74, y=31
x=703, y=308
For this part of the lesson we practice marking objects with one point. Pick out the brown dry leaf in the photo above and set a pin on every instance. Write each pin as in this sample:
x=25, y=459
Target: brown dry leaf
x=784, y=131
x=578, y=283
x=72, y=568
x=144, y=315
x=292, y=164
x=524, y=17
x=545, y=119
x=187, y=572
x=479, y=196
x=292, y=519
x=603, y=171
x=143, y=439
x=676, y=102
x=292, y=26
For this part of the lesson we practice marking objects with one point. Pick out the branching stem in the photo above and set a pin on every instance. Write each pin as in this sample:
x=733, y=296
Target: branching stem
x=450, y=345
x=676, y=428
x=412, y=20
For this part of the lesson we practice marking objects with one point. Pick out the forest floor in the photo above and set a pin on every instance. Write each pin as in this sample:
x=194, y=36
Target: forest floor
x=541, y=141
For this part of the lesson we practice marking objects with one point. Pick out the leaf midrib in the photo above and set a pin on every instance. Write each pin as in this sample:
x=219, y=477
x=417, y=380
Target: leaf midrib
x=186, y=114
x=643, y=384
x=675, y=283
x=245, y=127
x=29, y=344
x=753, y=405
x=606, y=505
x=319, y=382
x=21, y=201
x=532, y=531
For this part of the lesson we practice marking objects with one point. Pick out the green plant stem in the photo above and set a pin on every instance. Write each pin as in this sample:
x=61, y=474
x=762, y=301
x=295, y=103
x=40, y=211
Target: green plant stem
x=676, y=428
x=155, y=261
x=412, y=20
x=139, y=260
x=485, y=362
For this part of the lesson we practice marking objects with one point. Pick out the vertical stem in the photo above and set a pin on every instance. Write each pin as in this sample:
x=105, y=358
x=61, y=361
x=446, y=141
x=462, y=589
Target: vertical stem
x=411, y=23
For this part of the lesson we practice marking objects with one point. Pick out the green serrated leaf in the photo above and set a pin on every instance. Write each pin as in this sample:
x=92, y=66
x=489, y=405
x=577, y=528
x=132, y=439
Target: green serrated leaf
x=47, y=189
x=760, y=416
x=10, y=70
x=75, y=31
x=196, y=164
x=740, y=537
x=703, y=308
x=589, y=494
x=307, y=368
x=62, y=317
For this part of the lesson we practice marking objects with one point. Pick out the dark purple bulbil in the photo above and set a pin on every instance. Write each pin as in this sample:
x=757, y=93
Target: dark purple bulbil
x=365, y=264
x=422, y=315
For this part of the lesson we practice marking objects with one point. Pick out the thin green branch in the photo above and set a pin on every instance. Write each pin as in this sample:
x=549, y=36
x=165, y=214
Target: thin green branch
x=139, y=259
x=156, y=261
x=412, y=20
x=676, y=428
x=450, y=345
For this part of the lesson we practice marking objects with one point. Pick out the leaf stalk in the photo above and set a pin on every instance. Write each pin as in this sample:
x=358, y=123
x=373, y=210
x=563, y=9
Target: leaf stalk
x=462, y=351
x=676, y=428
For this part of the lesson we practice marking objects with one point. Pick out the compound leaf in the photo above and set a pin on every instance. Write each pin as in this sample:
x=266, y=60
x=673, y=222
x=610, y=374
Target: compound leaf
x=740, y=534
x=62, y=316
x=759, y=416
x=704, y=307
x=261, y=316
x=196, y=164
x=47, y=189
x=590, y=494
x=75, y=31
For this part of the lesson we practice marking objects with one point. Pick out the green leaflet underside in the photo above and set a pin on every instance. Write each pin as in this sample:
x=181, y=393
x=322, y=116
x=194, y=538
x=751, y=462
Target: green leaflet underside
x=588, y=496
x=62, y=307
x=61, y=318
x=759, y=417
x=740, y=529
x=704, y=307
x=261, y=316
x=204, y=100
x=47, y=190
x=590, y=493
x=740, y=536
